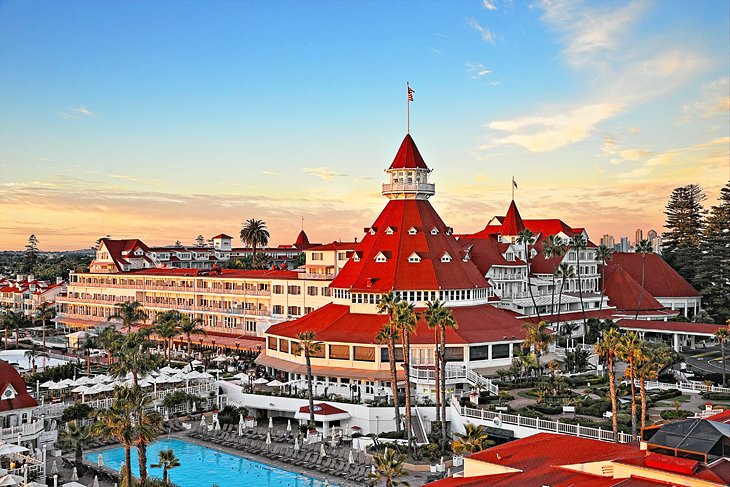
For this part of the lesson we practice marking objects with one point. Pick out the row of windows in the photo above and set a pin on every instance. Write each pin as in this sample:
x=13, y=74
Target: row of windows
x=420, y=296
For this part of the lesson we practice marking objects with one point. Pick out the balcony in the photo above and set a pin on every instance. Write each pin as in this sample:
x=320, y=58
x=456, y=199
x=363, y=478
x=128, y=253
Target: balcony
x=316, y=276
x=409, y=187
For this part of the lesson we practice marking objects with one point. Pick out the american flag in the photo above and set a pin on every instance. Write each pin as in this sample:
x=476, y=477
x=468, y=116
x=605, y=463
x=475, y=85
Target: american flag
x=410, y=94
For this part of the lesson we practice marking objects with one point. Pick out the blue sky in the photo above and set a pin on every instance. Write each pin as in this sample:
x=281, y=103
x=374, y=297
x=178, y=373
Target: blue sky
x=163, y=119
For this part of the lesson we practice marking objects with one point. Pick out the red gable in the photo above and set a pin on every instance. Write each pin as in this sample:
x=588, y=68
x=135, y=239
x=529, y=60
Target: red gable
x=10, y=377
x=512, y=223
x=625, y=293
x=302, y=239
x=408, y=156
x=660, y=279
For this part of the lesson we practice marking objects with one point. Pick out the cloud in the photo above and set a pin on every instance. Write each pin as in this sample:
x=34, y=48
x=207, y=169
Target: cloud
x=486, y=34
x=589, y=32
x=635, y=154
x=477, y=70
x=489, y=5
x=549, y=132
x=714, y=101
x=76, y=113
x=270, y=173
x=325, y=173
x=135, y=179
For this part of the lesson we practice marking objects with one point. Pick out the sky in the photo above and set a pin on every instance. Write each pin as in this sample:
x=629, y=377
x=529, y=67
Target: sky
x=167, y=119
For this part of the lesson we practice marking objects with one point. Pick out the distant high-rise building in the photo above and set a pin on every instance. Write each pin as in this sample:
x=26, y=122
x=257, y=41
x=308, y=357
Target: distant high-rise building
x=651, y=235
x=625, y=244
x=639, y=236
x=608, y=241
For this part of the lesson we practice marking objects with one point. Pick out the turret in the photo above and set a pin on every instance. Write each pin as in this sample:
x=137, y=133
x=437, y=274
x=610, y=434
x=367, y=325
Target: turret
x=408, y=174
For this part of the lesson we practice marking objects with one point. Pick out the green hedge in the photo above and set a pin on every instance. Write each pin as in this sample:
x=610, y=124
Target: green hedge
x=672, y=414
x=595, y=408
x=716, y=396
x=661, y=395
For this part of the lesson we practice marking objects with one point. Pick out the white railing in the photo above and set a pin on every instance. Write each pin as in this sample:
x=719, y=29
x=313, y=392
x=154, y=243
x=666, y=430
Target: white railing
x=542, y=424
x=689, y=386
x=315, y=276
x=421, y=187
x=455, y=372
x=24, y=430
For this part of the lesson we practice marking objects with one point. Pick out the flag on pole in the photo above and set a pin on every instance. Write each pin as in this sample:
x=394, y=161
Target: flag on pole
x=410, y=94
x=514, y=183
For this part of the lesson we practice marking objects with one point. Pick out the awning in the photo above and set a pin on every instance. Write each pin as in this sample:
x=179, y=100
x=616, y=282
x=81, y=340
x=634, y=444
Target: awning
x=320, y=371
x=323, y=412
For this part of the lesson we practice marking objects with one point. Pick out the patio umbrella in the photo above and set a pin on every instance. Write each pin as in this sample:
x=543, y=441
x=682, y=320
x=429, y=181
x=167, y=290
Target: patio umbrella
x=174, y=380
x=240, y=429
x=240, y=376
x=333, y=441
x=57, y=386
x=288, y=425
x=350, y=459
x=122, y=469
x=260, y=381
x=275, y=383
x=194, y=374
x=220, y=359
x=271, y=422
x=268, y=438
x=100, y=460
x=194, y=407
x=54, y=467
x=296, y=444
x=217, y=424
x=202, y=420
x=372, y=469
x=10, y=479
x=79, y=389
x=241, y=421
x=96, y=481
x=196, y=362
x=74, y=474
x=326, y=483
x=9, y=449
x=47, y=384
x=73, y=484
x=322, y=451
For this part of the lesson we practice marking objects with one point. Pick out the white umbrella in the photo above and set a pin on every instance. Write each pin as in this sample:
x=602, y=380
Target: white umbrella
x=9, y=449
x=275, y=383
x=271, y=422
x=240, y=376
x=196, y=362
x=174, y=380
x=79, y=389
x=100, y=460
x=322, y=451
x=74, y=475
x=10, y=479
x=194, y=407
x=54, y=467
x=261, y=380
x=333, y=441
x=205, y=375
x=194, y=374
x=107, y=387
x=96, y=481
x=202, y=420
x=240, y=429
x=57, y=386
x=73, y=484
x=288, y=424
x=217, y=424
x=268, y=438
x=220, y=359
x=240, y=419
x=296, y=444
x=350, y=459
x=47, y=384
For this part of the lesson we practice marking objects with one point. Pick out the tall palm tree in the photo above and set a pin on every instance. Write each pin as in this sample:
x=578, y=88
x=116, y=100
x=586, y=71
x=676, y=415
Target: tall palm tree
x=167, y=461
x=643, y=247
x=565, y=272
x=406, y=318
x=388, y=467
x=473, y=440
x=310, y=346
x=722, y=335
x=629, y=350
x=603, y=255
x=109, y=340
x=578, y=243
x=130, y=313
x=387, y=335
x=116, y=423
x=434, y=315
x=12, y=320
x=76, y=436
x=390, y=332
x=653, y=357
x=147, y=425
x=606, y=347
x=32, y=355
x=44, y=312
x=567, y=332
x=166, y=327
x=537, y=337
x=552, y=248
x=133, y=356
x=191, y=326
x=255, y=234
x=527, y=238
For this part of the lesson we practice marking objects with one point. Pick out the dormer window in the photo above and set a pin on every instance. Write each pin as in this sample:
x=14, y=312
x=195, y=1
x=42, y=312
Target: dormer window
x=9, y=392
x=414, y=258
x=434, y=231
x=446, y=257
x=412, y=231
x=381, y=257
x=356, y=257
x=390, y=230
x=373, y=230
x=449, y=230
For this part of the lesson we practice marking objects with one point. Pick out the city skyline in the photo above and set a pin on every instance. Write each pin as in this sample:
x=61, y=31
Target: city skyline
x=160, y=122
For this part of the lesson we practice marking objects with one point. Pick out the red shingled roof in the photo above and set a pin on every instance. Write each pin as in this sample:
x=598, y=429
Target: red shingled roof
x=660, y=279
x=335, y=246
x=678, y=326
x=244, y=273
x=408, y=156
x=117, y=247
x=10, y=376
x=223, y=235
x=335, y=323
x=512, y=223
x=625, y=293
x=302, y=239
x=397, y=272
x=322, y=409
x=487, y=252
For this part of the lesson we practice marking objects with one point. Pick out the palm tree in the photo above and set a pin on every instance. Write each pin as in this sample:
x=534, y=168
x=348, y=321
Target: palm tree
x=389, y=332
x=653, y=357
x=130, y=313
x=527, y=238
x=537, y=337
x=434, y=315
x=11, y=320
x=116, y=423
x=567, y=332
x=606, y=347
x=388, y=467
x=473, y=440
x=147, y=425
x=76, y=436
x=310, y=346
x=722, y=335
x=255, y=234
x=552, y=248
x=578, y=243
x=191, y=326
x=406, y=318
x=44, y=312
x=32, y=355
x=133, y=357
x=565, y=271
x=629, y=350
x=167, y=461
x=603, y=255
x=166, y=327
x=643, y=247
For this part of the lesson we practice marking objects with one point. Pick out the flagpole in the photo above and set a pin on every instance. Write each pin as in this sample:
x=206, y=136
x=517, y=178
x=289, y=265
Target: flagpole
x=513, y=188
x=408, y=110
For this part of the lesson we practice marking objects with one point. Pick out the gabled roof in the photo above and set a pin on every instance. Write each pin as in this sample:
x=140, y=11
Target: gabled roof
x=660, y=279
x=625, y=293
x=222, y=235
x=302, y=240
x=10, y=377
x=408, y=156
x=396, y=272
x=487, y=252
x=512, y=223
x=335, y=246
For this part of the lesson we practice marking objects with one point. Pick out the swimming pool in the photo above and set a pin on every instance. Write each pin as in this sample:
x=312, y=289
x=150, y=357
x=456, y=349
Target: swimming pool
x=202, y=467
x=17, y=357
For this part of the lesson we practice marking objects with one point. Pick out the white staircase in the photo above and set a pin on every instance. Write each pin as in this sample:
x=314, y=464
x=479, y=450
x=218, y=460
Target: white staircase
x=454, y=373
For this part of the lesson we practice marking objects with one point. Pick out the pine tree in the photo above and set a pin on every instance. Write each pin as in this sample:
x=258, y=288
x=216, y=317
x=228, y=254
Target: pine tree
x=684, y=224
x=713, y=269
x=31, y=254
x=200, y=241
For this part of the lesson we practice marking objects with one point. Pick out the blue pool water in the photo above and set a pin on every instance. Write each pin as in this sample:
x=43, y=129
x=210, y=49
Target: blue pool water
x=202, y=467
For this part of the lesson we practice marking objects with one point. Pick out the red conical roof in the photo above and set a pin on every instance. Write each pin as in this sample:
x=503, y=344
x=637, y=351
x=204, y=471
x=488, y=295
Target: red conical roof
x=512, y=223
x=302, y=239
x=408, y=156
x=626, y=294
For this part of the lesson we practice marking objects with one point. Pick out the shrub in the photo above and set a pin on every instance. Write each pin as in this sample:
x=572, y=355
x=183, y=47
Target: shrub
x=76, y=411
x=547, y=408
x=716, y=396
x=393, y=435
x=432, y=451
x=672, y=414
x=594, y=408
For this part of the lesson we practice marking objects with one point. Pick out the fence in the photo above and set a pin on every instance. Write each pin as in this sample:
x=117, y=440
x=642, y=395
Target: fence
x=542, y=424
x=455, y=372
x=688, y=386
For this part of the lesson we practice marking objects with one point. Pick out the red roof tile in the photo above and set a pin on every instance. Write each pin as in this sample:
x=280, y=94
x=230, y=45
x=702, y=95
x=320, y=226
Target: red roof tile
x=223, y=235
x=10, y=376
x=322, y=409
x=302, y=239
x=678, y=326
x=335, y=246
x=408, y=156
x=625, y=293
x=660, y=279
x=512, y=223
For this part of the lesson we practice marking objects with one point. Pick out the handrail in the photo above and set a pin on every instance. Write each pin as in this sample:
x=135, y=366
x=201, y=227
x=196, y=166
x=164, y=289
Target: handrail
x=691, y=386
x=454, y=371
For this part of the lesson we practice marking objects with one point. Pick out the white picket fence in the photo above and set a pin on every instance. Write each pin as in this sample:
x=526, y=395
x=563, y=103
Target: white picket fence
x=541, y=424
x=455, y=372
x=688, y=386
